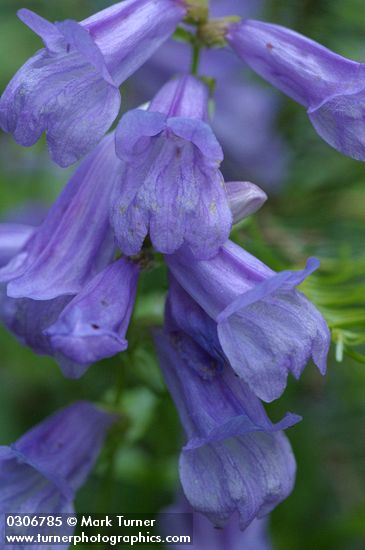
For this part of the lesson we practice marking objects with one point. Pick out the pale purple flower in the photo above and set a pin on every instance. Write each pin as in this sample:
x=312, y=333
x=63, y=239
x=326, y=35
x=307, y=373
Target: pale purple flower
x=249, y=314
x=93, y=325
x=42, y=471
x=171, y=186
x=330, y=86
x=78, y=331
x=69, y=89
x=235, y=460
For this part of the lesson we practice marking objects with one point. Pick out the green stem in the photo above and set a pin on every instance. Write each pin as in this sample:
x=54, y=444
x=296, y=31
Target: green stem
x=195, y=59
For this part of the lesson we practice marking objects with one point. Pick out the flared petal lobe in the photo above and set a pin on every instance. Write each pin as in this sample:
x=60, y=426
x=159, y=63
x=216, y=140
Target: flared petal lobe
x=171, y=186
x=265, y=327
x=42, y=471
x=69, y=89
x=330, y=86
x=94, y=323
x=13, y=236
x=235, y=460
x=245, y=198
x=77, y=226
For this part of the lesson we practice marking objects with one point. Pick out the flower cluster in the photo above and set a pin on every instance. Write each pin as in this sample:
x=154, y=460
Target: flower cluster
x=234, y=329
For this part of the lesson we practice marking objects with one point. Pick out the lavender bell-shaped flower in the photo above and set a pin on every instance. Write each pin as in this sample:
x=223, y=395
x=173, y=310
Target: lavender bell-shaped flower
x=249, y=314
x=93, y=325
x=42, y=471
x=330, y=86
x=235, y=460
x=69, y=89
x=75, y=240
x=78, y=331
x=171, y=186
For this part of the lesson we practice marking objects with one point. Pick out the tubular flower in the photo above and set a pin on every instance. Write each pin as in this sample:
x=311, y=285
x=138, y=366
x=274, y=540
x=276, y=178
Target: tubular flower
x=79, y=330
x=170, y=185
x=330, y=86
x=42, y=471
x=251, y=315
x=69, y=89
x=93, y=325
x=75, y=240
x=235, y=459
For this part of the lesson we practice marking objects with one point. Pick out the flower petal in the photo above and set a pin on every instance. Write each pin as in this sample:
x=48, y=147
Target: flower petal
x=13, y=237
x=248, y=474
x=93, y=325
x=77, y=224
x=244, y=198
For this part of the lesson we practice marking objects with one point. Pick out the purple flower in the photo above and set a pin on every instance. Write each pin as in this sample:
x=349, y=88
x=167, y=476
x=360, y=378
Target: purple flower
x=171, y=185
x=78, y=331
x=69, y=89
x=206, y=537
x=250, y=315
x=75, y=240
x=65, y=298
x=42, y=471
x=93, y=325
x=330, y=86
x=235, y=459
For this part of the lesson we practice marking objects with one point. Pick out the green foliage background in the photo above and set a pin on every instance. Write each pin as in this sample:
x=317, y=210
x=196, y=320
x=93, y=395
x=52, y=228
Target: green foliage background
x=320, y=210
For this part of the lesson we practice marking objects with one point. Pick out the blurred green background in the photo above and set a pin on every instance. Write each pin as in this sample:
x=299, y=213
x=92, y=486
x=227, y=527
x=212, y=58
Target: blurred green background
x=319, y=210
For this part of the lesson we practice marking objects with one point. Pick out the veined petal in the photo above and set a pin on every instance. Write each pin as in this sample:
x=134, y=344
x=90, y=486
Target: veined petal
x=330, y=86
x=174, y=99
x=78, y=224
x=171, y=185
x=129, y=32
x=13, y=237
x=303, y=69
x=266, y=328
x=231, y=441
x=248, y=474
x=59, y=94
x=70, y=89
